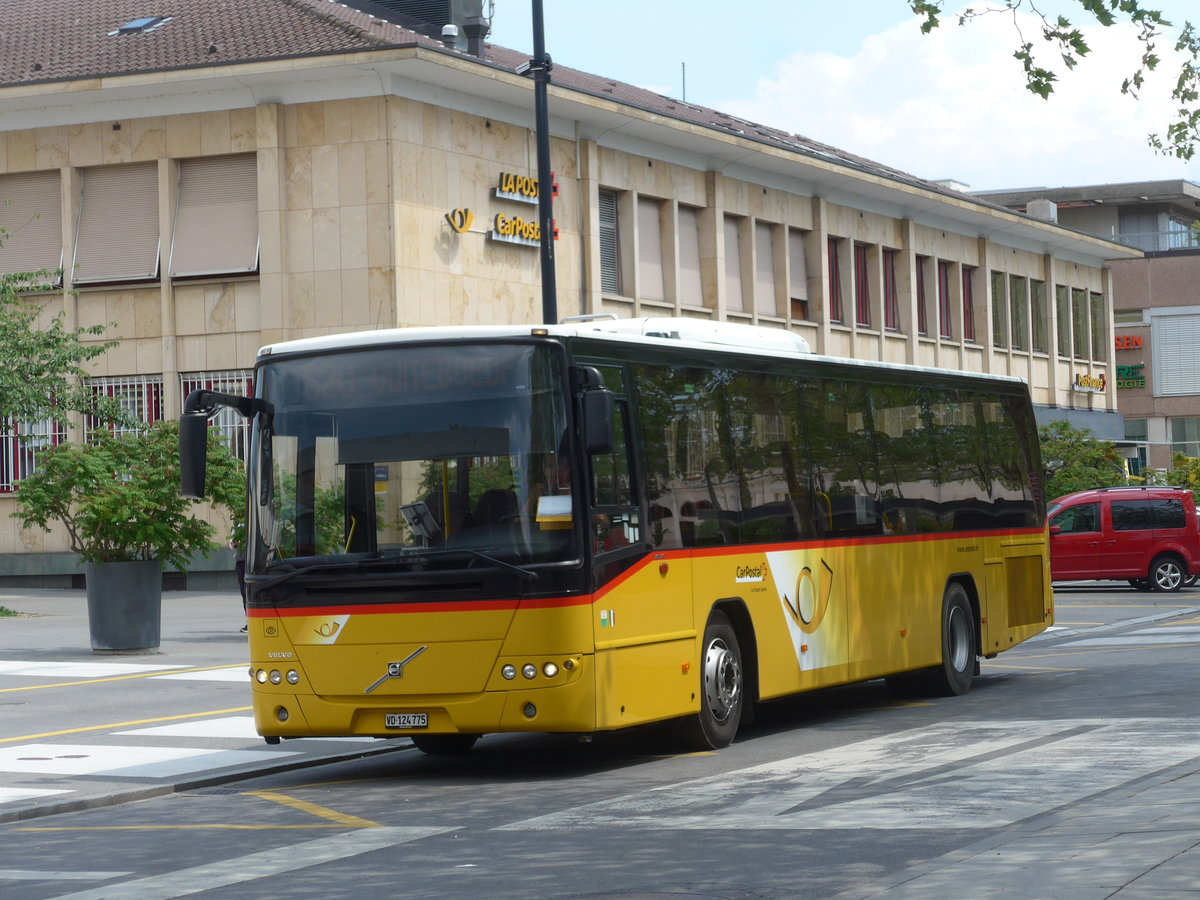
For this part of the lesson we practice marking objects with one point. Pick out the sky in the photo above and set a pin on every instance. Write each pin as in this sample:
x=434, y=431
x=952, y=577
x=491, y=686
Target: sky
x=859, y=75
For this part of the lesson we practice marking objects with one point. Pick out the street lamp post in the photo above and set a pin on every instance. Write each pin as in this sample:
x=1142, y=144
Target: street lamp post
x=540, y=66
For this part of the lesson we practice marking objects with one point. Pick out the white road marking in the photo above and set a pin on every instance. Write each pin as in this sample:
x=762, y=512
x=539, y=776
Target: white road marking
x=12, y=795
x=125, y=761
x=224, y=727
x=1161, y=634
x=242, y=869
x=35, y=875
x=30, y=669
x=955, y=775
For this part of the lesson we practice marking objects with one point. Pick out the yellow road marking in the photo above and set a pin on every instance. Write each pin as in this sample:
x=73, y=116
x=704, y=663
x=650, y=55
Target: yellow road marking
x=1030, y=668
x=1195, y=621
x=58, y=684
x=178, y=827
x=46, y=734
x=322, y=812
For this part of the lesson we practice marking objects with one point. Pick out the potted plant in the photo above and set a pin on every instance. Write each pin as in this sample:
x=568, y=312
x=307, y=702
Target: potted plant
x=118, y=499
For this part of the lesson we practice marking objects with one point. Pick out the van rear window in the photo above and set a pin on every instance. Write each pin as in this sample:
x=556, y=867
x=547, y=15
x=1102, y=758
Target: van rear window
x=1144, y=515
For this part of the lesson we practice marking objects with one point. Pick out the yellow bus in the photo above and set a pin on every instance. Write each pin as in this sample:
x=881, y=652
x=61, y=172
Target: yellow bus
x=591, y=526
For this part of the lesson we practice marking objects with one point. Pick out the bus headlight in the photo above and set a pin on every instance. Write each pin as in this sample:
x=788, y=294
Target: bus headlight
x=276, y=676
x=529, y=670
x=549, y=670
x=261, y=676
x=509, y=672
x=293, y=677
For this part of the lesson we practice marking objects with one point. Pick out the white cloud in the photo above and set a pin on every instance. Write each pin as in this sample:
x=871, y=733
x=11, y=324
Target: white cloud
x=953, y=104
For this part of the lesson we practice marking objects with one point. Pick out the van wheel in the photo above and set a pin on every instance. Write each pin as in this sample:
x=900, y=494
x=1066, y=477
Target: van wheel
x=954, y=675
x=722, y=689
x=1166, y=574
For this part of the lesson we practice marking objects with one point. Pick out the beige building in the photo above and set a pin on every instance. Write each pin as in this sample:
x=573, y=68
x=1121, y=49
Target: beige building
x=1156, y=303
x=318, y=168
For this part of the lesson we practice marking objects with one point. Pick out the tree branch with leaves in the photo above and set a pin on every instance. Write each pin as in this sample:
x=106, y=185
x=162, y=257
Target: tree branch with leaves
x=1181, y=136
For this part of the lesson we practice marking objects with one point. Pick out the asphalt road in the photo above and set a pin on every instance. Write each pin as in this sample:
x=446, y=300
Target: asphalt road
x=1072, y=769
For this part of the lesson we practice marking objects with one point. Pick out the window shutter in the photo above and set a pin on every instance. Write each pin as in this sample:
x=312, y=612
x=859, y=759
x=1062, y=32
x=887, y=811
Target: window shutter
x=798, y=275
x=610, y=265
x=1176, y=365
x=691, y=288
x=31, y=211
x=764, y=270
x=216, y=221
x=650, y=266
x=734, y=300
x=118, y=224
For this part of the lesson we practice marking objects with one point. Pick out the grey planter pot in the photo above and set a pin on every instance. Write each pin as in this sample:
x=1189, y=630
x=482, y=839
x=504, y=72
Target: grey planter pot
x=124, y=605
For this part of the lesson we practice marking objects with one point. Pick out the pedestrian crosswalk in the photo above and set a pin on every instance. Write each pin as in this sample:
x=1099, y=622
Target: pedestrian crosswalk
x=68, y=763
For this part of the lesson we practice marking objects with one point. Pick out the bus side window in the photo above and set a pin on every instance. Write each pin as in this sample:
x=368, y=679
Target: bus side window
x=615, y=519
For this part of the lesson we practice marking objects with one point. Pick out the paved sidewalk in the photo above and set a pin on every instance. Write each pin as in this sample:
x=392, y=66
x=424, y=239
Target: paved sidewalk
x=80, y=729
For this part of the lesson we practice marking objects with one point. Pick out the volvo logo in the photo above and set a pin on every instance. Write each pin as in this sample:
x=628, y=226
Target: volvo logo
x=396, y=669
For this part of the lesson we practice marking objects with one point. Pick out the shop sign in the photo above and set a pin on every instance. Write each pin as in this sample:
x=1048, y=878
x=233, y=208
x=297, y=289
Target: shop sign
x=521, y=188
x=460, y=220
x=1131, y=376
x=515, y=230
x=1091, y=384
x=1128, y=342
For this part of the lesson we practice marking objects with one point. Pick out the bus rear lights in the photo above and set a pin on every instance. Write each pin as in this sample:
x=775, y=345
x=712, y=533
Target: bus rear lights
x=281, y=714
x=529, y=670
x=530, y=710
x=509, y=672
x=276, y=676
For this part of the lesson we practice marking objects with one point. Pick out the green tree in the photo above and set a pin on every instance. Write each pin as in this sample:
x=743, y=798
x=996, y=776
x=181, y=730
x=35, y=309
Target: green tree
x=1065, y=37
x=118, y=496
x=44, y=364
x=1075, y=460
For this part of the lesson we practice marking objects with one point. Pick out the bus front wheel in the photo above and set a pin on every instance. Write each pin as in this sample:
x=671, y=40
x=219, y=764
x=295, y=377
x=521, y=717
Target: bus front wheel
x=954, y=675
x=722, y=688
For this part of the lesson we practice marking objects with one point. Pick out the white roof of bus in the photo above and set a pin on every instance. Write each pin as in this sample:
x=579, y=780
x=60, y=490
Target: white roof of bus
x=660, y=331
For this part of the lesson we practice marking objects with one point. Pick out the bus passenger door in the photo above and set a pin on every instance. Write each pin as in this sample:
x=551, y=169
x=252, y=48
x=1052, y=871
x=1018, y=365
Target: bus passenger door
x=642, y=607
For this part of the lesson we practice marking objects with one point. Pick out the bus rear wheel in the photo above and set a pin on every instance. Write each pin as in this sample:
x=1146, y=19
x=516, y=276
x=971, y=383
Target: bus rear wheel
x=953, y=677
x=444, y=744
x=722, y=688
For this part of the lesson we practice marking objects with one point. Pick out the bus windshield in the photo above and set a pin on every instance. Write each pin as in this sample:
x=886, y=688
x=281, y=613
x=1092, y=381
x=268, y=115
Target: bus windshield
x=446, y=454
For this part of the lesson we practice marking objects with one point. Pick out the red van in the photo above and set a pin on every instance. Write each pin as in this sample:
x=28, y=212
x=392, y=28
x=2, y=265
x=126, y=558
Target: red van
x=1147, y=535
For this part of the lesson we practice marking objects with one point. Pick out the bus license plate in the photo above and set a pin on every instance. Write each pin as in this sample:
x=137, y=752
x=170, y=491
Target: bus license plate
x=405, y=720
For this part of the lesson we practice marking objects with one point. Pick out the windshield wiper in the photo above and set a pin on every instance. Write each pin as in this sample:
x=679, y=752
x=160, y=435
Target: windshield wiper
x=264, y=582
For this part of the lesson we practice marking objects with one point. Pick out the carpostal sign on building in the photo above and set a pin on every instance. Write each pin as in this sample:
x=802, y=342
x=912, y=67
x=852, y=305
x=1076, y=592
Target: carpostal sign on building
x=515, y=229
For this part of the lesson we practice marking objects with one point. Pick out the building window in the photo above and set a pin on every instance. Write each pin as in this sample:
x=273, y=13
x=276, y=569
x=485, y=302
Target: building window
x=21, y=444
x=735, y=300
x=922, y=300
x=1099, y=315
x=764, y=269
x=999, y=310
x=232, y=426
x=1019, y=306
x=31, y=219
x=945, y=325
x=1079, y=323
x=1129, y=317
x=141, y=396
x=650, y=244
x=968, y=304
x=891, y=293
x=216, y=223
x=1062, y=315
x=1037, y=316
x=1176, y=365
x=1185, y=436
x=797, y=275
x=610, y=245
x=835, y=280
x=118, y=224
x=691, y=288
x=862, y=286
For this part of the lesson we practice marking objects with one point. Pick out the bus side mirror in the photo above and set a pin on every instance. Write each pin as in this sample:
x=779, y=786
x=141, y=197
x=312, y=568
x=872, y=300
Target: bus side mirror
x=598, y=421
x=193, y=453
